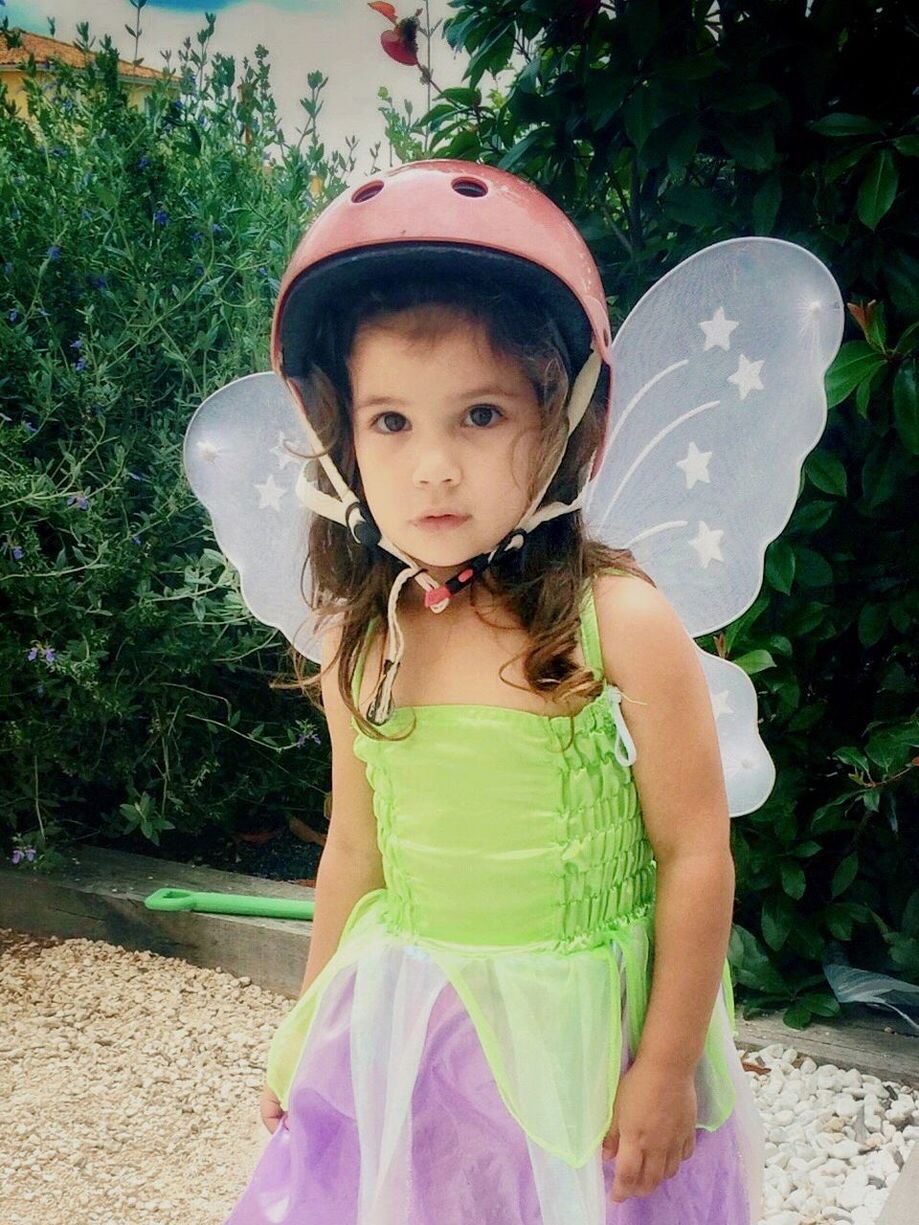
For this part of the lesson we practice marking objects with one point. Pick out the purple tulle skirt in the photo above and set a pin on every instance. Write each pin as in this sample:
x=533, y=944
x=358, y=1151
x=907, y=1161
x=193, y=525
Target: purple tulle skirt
x=463, y=1159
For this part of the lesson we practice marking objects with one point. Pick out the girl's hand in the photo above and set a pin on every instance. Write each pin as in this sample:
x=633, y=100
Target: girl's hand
x=653, y=1128
x=270, y=1109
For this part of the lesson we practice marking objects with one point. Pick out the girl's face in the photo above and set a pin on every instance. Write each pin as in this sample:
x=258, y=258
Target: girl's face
x=442, y=428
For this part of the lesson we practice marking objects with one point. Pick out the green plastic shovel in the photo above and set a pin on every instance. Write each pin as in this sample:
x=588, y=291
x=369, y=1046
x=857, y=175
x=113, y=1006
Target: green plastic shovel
x=230, y=903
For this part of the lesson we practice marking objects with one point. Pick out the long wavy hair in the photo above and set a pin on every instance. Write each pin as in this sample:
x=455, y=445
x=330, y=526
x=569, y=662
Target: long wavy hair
x=541, y=584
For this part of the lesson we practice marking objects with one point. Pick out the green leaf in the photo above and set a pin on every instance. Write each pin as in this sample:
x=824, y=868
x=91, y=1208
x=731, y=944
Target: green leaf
x=754, y=150
x=804, y=850
x=901, y=274
x=780, y=566
x=821, y=1003
x=813, y=570
x=909, y=340
x=826, y=471
x=524, y=148
x=793, y=879
x=882, y=473
x=909, y=921
x=691, y=205
x=845, y=874
x=809, y=517
x=906, y=405
x=842, y=124
x=766, y=204
x=777, y=918
x=754, y=661
x=838, y=166
x=797, y=1016
x=750, y=965
x=872, y=621
x=838, y=918
x=878, y=189
x=852, y=757
x=746, y=96
x=907, y=145
x=639, y=115
x=854, y=362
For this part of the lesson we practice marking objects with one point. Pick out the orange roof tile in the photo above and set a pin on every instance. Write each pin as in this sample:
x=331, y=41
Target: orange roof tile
x=44, y=49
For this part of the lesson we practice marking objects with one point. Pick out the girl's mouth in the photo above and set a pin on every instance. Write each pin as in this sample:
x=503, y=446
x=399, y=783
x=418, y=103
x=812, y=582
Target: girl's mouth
x=440, y=522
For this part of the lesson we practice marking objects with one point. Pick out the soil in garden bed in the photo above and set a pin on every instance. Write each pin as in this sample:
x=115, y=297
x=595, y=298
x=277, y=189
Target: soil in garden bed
x=281, y=856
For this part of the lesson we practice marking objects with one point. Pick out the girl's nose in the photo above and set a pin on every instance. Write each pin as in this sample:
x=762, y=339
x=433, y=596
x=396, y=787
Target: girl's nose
x=436, y=466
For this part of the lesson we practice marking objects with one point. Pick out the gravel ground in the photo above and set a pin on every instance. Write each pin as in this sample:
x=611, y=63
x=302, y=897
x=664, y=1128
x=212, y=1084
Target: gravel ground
x=132, y=1097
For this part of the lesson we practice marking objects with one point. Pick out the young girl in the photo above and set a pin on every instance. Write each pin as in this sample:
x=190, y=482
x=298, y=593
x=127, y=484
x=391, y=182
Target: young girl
x=517, y=1007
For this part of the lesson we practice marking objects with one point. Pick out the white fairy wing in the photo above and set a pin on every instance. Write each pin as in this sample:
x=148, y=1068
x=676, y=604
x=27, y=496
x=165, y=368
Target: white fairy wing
x=244, y=448
x=749, y=772
x=718, y=398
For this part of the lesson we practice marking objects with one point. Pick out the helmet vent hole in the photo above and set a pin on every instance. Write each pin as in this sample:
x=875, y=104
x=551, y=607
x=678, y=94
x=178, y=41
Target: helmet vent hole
x=470, y=187
x=367, y=192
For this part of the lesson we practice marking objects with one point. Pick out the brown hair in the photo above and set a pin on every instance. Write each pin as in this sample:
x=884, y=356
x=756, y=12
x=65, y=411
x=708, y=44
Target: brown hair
x=542, y=583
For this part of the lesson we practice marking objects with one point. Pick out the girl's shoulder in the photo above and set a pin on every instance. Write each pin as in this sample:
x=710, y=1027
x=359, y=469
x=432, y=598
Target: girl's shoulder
x=640, y=630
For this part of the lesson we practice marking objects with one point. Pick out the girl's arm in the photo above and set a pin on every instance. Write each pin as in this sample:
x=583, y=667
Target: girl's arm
x=351, y=864
x=680, y=781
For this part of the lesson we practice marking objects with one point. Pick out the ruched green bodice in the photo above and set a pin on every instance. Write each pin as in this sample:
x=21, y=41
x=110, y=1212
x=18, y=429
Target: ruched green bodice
x=517, y=871
x=502, y=827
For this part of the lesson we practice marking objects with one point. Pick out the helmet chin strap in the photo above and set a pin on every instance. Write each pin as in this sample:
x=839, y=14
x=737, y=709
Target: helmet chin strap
x=346, y=509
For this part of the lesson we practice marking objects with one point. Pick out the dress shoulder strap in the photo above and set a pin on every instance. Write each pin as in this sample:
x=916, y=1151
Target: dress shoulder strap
x=593, y=657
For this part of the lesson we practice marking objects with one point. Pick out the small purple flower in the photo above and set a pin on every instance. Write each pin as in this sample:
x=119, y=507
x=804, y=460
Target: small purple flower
x=57, y=151
x=136, y=539
x=85, y=214
x=50, y=655
x=78, y=500
x=98, y=282
x=143, y=162
x=199, y=270
x=33, y=429
x=8, y=268
x=301, y=741
x=43, y=312
x=17, y=552
x=67, y=104
x=161, y=217
x=80, y=365
x=13, y=316
x=263, y=272
x=4, y=417
x=177, y=105
x=32, y=655
x=136, y=476
x=29, y=852
x=216, y=228
x=53, y=253
x=197, y=236
x=76, y=344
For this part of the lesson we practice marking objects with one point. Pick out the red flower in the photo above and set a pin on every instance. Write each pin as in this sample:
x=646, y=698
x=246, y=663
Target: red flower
x=401, y=43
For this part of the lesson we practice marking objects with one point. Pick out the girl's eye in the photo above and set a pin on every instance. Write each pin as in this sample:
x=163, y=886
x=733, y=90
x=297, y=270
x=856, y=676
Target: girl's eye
x=394, y=422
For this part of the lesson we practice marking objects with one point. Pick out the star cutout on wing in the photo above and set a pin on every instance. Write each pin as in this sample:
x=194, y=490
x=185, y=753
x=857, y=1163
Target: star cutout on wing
x=279, y=449
x=718, y=330
x=270, y=494
x=746, y=376
x=720, y=704
x=707, y=544
x=695, y=465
